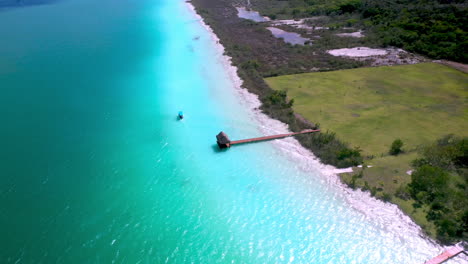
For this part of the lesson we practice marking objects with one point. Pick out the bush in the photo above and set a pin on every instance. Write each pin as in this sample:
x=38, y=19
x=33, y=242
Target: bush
x=350, y=6
x=386, y=197
x=352, y=182
x=366, y=186
x=395, y=149
x=448, y=153
x=428, y=183
x=295, y=12
x=403, y=193
x=434, y=183
x=250, y=65
x=333, y=151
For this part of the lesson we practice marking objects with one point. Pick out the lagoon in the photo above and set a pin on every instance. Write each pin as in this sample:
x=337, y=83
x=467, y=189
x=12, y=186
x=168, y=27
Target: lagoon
x=96, y=167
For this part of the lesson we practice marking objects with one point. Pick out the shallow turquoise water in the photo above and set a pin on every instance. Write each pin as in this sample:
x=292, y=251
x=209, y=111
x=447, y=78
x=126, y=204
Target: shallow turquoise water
x=95, y=167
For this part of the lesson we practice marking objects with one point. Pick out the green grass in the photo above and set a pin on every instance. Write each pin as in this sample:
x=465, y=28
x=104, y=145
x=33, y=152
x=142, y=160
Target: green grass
x=371, y=107
x=389, y=171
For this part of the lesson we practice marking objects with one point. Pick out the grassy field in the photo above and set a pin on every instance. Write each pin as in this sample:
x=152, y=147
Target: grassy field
x=371, y=107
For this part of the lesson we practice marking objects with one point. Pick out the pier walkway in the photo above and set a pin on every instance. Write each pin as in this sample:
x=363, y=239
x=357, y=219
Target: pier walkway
x=224, y=141
x=446, y=255
x=271, y=137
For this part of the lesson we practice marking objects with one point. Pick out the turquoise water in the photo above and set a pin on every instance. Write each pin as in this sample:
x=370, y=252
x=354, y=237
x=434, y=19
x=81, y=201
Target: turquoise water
x=96, y=168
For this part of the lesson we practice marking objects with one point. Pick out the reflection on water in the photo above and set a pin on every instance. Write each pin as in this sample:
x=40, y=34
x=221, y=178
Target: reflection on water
x=242, y=12
x=288, y=37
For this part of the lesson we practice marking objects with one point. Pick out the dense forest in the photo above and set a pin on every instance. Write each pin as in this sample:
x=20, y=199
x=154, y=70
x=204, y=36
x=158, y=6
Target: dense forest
x=435, y=28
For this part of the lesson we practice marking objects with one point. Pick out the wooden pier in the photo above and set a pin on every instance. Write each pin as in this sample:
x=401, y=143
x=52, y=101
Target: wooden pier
x=224, y=142
x=446, y=255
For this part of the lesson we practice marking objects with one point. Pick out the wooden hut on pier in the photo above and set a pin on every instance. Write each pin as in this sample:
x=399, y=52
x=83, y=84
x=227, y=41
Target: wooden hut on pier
x=223, y=140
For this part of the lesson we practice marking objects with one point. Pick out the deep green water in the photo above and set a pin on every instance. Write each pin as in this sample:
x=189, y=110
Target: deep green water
x=95, y=168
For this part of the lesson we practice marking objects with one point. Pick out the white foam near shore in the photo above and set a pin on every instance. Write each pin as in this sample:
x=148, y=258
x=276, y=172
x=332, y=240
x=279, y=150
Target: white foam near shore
x=387, y=215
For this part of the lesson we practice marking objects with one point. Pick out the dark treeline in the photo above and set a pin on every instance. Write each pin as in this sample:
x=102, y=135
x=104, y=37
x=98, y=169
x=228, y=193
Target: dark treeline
x=435, y=28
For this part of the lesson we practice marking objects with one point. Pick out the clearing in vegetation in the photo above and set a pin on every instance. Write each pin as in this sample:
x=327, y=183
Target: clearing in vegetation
x=371, y=107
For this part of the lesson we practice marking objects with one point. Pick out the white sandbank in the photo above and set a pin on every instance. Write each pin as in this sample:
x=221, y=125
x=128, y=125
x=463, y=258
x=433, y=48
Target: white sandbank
x=358, y=52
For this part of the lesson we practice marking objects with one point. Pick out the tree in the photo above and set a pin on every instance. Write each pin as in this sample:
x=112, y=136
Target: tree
x=395, y=149
x=439, y=182
x=428, y=183
x=295, y=12
x=449, y=153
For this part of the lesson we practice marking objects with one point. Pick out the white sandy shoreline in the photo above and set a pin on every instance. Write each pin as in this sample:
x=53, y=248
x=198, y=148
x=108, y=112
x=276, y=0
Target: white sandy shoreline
x=385, y=214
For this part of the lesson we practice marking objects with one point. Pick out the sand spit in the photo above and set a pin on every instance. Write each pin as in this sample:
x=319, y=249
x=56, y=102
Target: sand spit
x=387, y=215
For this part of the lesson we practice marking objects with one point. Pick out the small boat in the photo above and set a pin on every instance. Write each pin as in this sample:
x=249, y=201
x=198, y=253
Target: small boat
x=181, y=115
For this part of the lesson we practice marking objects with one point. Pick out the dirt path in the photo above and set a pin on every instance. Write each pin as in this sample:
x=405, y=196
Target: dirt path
x=456, y=65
